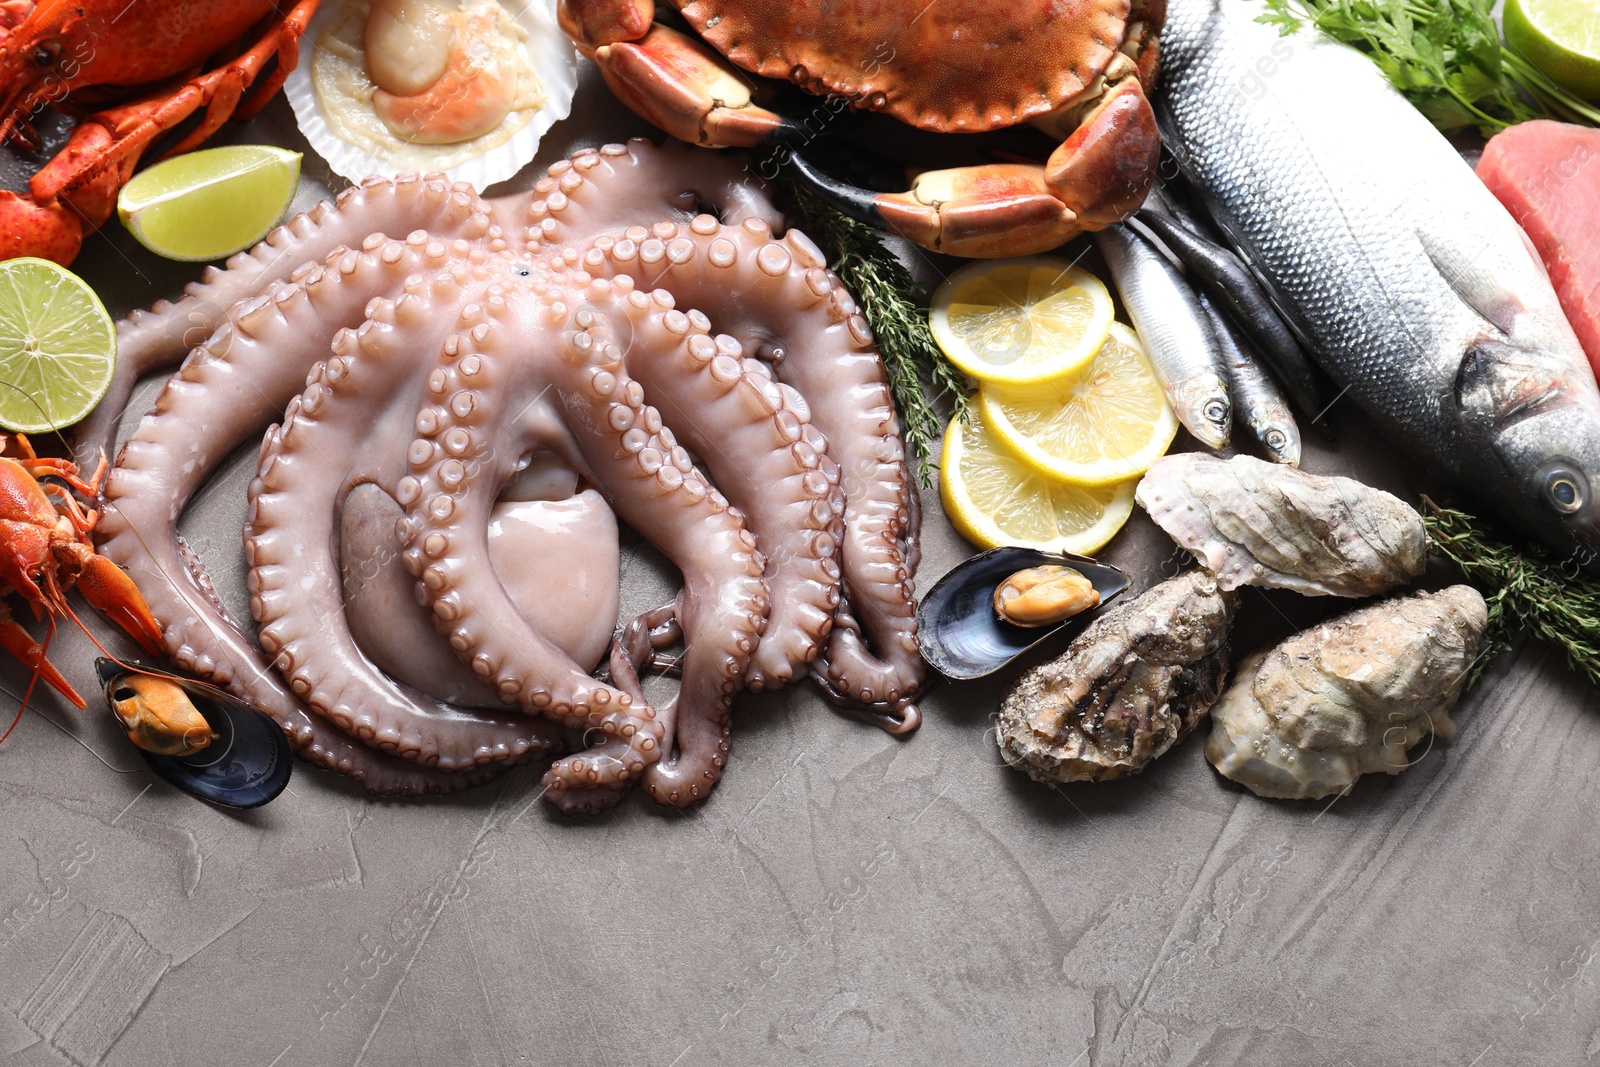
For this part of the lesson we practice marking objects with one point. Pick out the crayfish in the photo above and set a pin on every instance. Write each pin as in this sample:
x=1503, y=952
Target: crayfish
x=155, y=63
x=45, y=550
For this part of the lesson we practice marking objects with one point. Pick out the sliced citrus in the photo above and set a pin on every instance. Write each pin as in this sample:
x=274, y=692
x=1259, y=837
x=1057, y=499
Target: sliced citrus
x=1102, y=424
x=1020, y=321
x=993, y=499
x=57, y=346
x=1561, y=38
x=210, y=204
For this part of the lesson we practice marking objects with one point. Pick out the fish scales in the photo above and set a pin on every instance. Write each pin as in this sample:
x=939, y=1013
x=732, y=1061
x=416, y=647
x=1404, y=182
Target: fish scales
x=1409, y=282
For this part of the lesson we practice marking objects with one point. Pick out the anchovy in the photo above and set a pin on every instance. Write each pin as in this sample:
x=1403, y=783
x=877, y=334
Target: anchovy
x=1220, y=273
x=1408, y=281
x=1174, y=331
x=1256, y=396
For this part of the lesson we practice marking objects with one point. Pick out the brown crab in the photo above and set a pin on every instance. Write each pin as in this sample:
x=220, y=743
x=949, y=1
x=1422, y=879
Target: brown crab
x=1078, y=69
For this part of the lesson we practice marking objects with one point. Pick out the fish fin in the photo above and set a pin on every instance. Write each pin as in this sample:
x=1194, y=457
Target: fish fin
x=1473, y=278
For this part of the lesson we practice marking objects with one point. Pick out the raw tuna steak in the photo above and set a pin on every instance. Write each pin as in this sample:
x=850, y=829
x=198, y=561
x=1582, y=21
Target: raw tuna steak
x=1547, y=174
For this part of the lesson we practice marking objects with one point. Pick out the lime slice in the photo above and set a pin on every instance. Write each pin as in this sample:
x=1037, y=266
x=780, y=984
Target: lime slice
x=1020, y=321
x=1559, y=37
x=1105, y=423
x=57, y=346
x=994, y=499
x=210, y=204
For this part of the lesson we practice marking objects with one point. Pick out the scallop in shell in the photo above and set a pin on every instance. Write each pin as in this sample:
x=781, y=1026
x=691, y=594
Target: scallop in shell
x=465, y=87
x=1256, y=523
x=1348, y=697
x=1134, y=683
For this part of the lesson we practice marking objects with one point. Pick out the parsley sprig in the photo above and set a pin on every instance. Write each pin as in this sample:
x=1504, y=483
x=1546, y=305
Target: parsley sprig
x=1445, y=56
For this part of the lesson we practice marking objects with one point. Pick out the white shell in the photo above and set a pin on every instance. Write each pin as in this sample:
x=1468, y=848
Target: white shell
x=554, y=59
x=1256, y=523
x=1348, y=697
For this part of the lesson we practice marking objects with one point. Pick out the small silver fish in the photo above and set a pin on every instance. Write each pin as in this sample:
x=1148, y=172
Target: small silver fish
x=1408, y=281
x=1175, y=333
x=1256, y=397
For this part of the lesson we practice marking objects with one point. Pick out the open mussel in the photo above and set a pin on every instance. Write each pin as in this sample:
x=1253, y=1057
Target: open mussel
x=197, y=737
x=962, y=625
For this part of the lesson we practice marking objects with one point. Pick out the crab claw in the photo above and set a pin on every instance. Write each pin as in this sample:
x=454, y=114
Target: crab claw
x=108, y=588
x=28, y=228
x=17, y=641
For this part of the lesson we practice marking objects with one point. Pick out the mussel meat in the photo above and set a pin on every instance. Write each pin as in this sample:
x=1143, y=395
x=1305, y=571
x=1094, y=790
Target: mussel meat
x=1039, y=596
x=964, y=631
x=159, y=716
x=245, y=760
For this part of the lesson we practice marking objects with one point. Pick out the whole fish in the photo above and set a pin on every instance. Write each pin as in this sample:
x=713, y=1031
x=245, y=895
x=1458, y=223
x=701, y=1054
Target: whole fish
x=1256, y=397
x=1175, y=332
x=1407, y=280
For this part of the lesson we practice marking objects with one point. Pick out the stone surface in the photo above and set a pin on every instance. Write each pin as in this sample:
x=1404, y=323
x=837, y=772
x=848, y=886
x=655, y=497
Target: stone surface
x=844, y=898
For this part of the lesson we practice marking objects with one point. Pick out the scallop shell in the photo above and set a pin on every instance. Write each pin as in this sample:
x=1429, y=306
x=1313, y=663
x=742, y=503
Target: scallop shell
x=554, y=59
x=1256, y=523
x=1133, y=684
x=1348, y=697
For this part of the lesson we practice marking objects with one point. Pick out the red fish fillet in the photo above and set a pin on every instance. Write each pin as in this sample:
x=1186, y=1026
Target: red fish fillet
x=1547, y=174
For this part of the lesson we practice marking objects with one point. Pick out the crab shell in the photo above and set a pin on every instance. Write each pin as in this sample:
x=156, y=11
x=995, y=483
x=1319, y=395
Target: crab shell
x=952, y=66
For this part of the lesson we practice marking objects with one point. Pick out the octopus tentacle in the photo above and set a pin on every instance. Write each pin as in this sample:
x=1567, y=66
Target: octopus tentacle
x=651, y=484
x=783, y=480
x=778, y=299
x=148, y=341
x=227, y=390
x=458, y=462
x=339, y=429
x=605, y=190
x=595, y=191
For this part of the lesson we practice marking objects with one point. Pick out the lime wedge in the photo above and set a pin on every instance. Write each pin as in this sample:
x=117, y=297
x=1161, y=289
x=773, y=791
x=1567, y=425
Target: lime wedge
x=210, y=204
x=57, y=346
x=1559, y=37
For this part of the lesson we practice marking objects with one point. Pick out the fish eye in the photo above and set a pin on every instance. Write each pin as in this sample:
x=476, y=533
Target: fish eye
x=1275, y=440
x=1216, y=411
x=1563, y=492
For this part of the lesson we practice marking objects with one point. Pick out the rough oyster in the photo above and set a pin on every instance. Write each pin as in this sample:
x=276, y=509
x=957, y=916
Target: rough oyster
x=1348, y=697
x=1132, y=685
x=1256, y=523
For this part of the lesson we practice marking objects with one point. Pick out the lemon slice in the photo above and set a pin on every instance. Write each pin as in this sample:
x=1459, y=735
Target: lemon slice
x=1561, y=38
x=1020, y=321
x=57, y=346
x=210, y=204
x=1105, y=423
x=994, y=499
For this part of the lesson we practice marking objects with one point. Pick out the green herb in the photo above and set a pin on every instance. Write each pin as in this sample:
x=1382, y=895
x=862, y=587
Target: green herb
x=1526, y=590
x=890, y=302
x=1444, y=55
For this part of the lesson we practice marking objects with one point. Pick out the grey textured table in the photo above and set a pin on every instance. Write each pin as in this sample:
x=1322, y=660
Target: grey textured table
x=844, y=897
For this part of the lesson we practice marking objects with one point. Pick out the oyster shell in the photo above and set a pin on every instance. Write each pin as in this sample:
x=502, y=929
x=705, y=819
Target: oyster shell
x=1132, y=685
x=1256, y=523
x=1348, y=697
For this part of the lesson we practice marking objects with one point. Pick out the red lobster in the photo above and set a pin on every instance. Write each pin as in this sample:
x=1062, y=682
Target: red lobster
x=85, y=54
x=45, y=550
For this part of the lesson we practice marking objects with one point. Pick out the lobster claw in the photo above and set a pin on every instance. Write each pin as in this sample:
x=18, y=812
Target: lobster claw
x=109, y=589
x=17, y=641
x=28, y=228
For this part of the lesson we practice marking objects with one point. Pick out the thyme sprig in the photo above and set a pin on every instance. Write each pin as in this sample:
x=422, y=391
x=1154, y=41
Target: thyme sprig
x=1444, y=55
x=893, y=306
x=1525, y=588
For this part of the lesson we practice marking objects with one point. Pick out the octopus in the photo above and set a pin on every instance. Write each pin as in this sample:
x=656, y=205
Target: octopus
x=458, y=399
x=1348, y=697
x=1137, y=681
